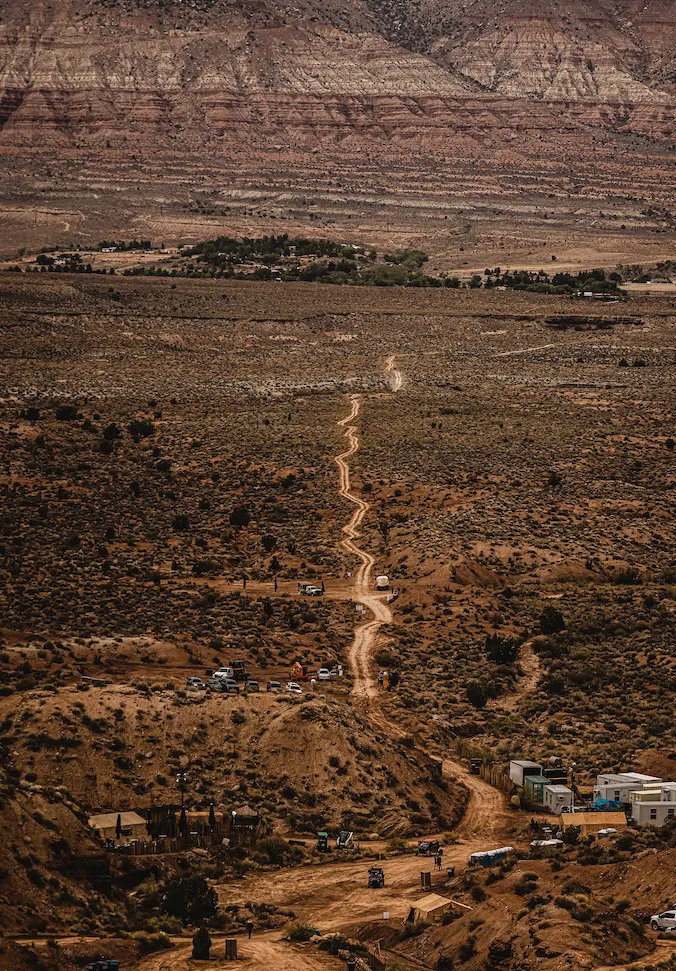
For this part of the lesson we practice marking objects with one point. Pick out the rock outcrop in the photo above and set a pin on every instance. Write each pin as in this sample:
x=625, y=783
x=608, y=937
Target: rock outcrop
x=186, y=71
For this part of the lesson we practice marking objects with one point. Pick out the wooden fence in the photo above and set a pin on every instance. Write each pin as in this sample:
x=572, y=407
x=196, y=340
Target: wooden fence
x=375, y=959
x=169, y=844
x=497, y=777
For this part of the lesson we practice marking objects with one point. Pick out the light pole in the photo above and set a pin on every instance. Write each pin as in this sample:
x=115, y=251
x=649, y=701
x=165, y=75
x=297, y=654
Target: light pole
x=573, y=766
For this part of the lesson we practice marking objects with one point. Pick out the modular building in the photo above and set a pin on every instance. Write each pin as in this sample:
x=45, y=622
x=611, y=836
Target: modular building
x=655, y=804
x=616, y=786
x=534, y=787
x=556, y=798
x=519, y=769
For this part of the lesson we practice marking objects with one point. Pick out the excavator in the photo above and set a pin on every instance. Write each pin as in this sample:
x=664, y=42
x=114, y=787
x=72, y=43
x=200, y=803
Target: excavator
x=298, y=672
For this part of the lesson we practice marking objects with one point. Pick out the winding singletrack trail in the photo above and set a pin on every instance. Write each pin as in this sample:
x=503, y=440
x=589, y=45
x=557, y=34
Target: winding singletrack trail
x=486, y=817
x=366, y=634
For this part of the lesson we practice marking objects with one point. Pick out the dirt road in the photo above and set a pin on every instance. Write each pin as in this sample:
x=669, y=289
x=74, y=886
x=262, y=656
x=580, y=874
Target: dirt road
x=365, y=636
x=396, y=376
x=487, y=817
x=261, y=953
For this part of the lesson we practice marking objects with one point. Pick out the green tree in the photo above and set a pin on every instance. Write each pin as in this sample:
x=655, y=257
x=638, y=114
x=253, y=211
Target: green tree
x=201, y=945
x=240, y=517
x=190, y=898
x=551, y=620
x=476, y=694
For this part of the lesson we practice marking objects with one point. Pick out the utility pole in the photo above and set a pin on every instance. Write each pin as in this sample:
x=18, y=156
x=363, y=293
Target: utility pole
x=181, y=779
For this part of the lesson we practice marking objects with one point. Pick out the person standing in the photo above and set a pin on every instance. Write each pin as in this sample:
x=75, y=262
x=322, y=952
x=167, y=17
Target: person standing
x=249, y=928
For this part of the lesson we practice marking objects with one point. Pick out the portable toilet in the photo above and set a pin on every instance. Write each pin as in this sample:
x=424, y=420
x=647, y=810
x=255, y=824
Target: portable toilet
x=323, y=843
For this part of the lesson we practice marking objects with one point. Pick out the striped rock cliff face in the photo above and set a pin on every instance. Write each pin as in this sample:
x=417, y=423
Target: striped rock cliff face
x=172, y=71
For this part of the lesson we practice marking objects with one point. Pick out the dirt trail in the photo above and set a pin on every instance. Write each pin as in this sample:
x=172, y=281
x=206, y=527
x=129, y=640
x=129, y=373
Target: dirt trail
x=487, y=816
x=365, y=635
x=666, y=950
x=530, y=665
x=396, y=375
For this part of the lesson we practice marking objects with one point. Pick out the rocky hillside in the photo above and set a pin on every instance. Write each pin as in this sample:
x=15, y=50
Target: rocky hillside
x=102, y=69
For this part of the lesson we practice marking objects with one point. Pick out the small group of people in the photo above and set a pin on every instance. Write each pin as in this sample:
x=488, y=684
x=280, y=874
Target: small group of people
x=438, y=858
x=536, y=826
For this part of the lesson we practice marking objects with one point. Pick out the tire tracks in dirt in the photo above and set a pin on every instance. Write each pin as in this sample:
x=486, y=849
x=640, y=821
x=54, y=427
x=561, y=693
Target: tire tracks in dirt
x=486, y=816
x=366, y=635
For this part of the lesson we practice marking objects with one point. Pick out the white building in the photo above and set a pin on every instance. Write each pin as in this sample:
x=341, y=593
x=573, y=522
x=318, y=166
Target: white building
x=555, y=797
x=616, y=786
x=654, y=804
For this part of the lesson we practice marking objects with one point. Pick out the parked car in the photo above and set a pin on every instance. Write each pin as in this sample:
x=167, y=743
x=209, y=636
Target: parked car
x=224, y=673
x=293, y=688
x=230, y=686
x=252, y=686
x=215, y=684
x=273, y=686
x=324, y=674
x=195, y=683
x=603, y=833
x=664, y=922
x=313, y=591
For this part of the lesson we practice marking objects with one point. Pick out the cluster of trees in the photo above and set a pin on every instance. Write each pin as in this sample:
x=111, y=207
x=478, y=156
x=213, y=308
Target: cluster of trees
x=125, y=247
x=592, y=281
x=226, y=250
x=636, y=273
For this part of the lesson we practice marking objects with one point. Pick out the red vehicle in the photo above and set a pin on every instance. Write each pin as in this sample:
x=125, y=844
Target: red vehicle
x=429, y=846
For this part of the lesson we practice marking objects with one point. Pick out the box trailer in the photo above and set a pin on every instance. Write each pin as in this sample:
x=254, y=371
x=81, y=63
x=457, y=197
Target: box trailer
x=520, y=769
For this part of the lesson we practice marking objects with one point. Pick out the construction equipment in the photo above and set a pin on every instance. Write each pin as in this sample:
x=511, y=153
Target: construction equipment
x=376, y=877
x=346, y=841
x=299, y=672
x=323, y=843
x=239, y=671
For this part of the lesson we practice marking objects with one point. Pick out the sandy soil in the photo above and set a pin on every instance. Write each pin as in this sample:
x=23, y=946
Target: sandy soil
x=262, y=953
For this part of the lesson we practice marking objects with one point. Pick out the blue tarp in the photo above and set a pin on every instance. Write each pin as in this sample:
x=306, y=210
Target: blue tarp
x=606, y=805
